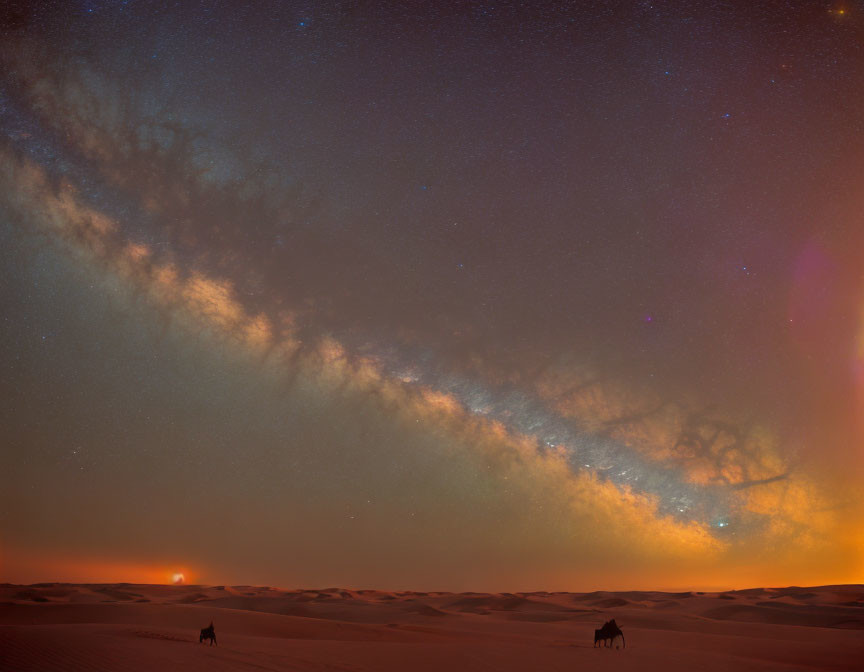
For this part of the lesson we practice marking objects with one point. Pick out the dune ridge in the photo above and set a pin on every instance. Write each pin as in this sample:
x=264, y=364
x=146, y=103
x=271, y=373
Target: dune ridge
x=58, y=626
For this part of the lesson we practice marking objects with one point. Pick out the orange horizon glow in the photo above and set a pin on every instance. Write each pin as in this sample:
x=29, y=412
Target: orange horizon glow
x=26, y=568
x=29, y=568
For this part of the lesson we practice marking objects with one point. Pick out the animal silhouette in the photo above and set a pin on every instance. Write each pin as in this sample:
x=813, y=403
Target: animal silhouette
x=608, y=633
x=208, y=633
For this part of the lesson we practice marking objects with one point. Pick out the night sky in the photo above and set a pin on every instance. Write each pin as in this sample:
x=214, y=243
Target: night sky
x=432, y=295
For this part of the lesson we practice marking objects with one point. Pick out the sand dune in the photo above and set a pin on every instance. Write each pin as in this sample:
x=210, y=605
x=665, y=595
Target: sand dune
x=143, y=627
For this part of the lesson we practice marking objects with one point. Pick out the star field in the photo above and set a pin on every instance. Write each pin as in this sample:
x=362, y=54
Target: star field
x=432, y=295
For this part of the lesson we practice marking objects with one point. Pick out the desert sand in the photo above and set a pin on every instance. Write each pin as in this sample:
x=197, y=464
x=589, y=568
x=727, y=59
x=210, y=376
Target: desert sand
x=134, y=627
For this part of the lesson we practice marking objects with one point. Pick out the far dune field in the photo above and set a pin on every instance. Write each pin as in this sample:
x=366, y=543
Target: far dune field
x=148, y=627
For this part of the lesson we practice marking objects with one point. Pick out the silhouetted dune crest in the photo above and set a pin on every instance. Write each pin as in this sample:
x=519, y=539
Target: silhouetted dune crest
x=610, y=602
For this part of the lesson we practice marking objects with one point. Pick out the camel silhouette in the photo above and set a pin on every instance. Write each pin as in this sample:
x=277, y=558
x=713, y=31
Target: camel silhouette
x=607, y=634
x=208, y=633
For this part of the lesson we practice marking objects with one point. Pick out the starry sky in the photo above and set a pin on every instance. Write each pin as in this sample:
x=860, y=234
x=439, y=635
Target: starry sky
x=432, y=295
